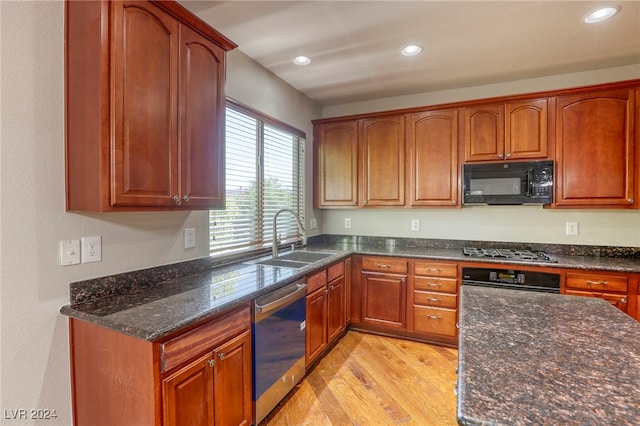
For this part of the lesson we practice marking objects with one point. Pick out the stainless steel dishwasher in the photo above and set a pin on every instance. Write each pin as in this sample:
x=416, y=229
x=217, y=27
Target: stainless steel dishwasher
x=278, y=346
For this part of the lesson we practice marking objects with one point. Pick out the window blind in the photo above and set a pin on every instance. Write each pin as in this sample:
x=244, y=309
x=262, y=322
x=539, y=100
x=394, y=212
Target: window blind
x=264, y=173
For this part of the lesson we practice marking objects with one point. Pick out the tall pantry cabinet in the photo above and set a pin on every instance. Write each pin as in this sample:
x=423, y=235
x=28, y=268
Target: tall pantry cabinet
x=144, y=107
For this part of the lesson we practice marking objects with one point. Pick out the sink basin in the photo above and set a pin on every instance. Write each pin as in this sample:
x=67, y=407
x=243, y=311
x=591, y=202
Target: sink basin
x=305, y=256
x=295, y=259
x=283, y=263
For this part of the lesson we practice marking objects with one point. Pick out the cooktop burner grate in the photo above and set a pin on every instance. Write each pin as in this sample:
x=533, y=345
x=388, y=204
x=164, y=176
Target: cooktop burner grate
x=526, y=255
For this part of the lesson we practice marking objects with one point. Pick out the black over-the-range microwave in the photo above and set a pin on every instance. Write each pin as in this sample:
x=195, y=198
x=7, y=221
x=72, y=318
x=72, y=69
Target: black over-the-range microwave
x=508, y=183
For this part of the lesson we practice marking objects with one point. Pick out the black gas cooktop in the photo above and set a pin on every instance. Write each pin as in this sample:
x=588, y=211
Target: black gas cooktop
x=513, y=254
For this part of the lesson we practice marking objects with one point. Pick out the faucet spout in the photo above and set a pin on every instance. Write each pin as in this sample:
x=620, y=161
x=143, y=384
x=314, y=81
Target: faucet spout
x=303, y=232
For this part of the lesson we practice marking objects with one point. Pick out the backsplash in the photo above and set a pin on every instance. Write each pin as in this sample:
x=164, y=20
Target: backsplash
x=553, y=249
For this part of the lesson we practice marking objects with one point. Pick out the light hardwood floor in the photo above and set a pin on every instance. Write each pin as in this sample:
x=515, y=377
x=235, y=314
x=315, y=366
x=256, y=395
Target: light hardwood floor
x=374, y=380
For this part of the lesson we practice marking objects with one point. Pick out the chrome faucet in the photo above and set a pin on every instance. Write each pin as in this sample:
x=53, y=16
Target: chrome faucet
x=301, y=229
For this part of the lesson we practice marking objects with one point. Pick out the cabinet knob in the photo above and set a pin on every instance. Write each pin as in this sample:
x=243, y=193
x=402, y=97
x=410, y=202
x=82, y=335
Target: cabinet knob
x=186, y=198
x=623, y=300
x=211, y=363
x=176, y=199
x=630, y=200
x=221, y=355
x=508, y=154
x=500, y=155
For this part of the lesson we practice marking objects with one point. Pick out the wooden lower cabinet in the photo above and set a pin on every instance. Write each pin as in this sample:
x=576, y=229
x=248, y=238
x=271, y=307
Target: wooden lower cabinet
x=617, y=289
x=200, y=377
x=384, y=300
x=326, y=309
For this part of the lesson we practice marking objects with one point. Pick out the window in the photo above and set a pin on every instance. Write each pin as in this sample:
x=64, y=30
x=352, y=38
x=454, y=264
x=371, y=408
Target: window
x=264, y=173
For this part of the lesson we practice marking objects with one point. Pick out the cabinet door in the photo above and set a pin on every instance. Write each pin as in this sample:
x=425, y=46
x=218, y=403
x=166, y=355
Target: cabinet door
x=188, y=394
x=202, y=104
x=316, y=336
x=617, y=300
x=432, y=149
x=383, y=161
x=484, y=133
x=594, y=149
x=232, y=382
x=384, y=300
x=144, y=143
x=336, y=156
x=336, y=299
x=526, y=129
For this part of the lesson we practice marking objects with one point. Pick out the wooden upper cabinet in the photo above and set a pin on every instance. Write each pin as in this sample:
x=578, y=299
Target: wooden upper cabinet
x=595, y=149
x=144, y=108
x=202, y=99
x=432, y=152
x=511, y=131
x=336, y=160
x=383, y=161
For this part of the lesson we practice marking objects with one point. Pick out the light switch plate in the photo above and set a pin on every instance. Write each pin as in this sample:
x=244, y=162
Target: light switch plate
x=572, y=228
x=69, y=252
x=189, y=238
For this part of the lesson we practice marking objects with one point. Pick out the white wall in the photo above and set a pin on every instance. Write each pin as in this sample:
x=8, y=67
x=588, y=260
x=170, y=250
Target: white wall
x=520, y=224
x=34, y=354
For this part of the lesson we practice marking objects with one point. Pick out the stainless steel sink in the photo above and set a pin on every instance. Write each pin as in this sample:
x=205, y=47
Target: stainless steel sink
x=305, y=256
x=295, y=259
x=283, y=263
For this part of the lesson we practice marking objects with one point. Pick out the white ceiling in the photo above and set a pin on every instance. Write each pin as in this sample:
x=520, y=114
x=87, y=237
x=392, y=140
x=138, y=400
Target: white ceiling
x=355, y=45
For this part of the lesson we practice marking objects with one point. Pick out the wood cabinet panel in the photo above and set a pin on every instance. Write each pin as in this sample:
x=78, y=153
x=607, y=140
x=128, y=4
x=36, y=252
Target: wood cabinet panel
x=336, y=164
x=336, y=312
x=435, y=269
x=384, y=300
x=526, y=129
x=188, y=394
x=395, y=265
x=432, y=152
x=435, y=299
x=335, y=271
x=620, y=301
x=595, y=149
x=316, y=338
x=597, y=281
x=445, y=285
x=383, y=161
x=435, y=320
x=484, y=132
x=316, y=281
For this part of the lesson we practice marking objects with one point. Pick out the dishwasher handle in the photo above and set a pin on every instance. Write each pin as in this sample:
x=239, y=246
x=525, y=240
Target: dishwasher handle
x=299, y=290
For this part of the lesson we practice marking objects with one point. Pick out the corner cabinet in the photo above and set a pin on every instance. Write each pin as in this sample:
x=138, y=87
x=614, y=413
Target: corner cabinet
x=509, y=131
x=198, y=377
x=336, y=164
x=144, y=107
x=595, y=143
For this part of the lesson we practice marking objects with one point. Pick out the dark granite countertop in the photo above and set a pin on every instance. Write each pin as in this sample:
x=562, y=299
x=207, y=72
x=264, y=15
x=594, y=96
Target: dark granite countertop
x=154, y=303
x=530, y=358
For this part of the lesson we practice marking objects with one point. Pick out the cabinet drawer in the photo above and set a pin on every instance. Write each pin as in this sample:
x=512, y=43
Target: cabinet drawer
x=599, y=282
x=617, y=300
x=440, y=300
x=434, y=321
x=335, y=271
x=206, y=337
x=385, y=264
x=316, y=281
x=445, y=285
x=436, y=269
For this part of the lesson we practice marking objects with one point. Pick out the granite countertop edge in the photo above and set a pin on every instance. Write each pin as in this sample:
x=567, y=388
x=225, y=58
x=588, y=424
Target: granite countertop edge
x=132, y=327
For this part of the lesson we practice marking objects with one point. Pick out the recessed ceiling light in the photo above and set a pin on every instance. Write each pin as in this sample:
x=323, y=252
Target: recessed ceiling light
x=301, y=60
x=411, y=50
x=601, y=14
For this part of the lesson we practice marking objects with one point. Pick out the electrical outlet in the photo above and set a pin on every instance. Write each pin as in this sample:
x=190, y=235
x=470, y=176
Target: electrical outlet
x=189, y=238
x=572, y=228
x=347, y=222
x=69, y=252
x=415, y=225
x=313, y=223
x=91, y=249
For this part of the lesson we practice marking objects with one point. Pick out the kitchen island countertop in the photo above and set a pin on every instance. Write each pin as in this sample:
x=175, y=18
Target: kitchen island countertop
x=528, y=358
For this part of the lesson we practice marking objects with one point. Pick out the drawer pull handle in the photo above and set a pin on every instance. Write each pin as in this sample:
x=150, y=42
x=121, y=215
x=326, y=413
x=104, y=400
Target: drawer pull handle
x=383, y=265
x=435, y=284
x=434, y=299
x=434, y=269
x=590, y=282
x=434, y=316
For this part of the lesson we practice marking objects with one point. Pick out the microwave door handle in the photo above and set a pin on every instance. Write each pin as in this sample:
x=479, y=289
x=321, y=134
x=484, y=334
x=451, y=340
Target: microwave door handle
x=529, y=182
